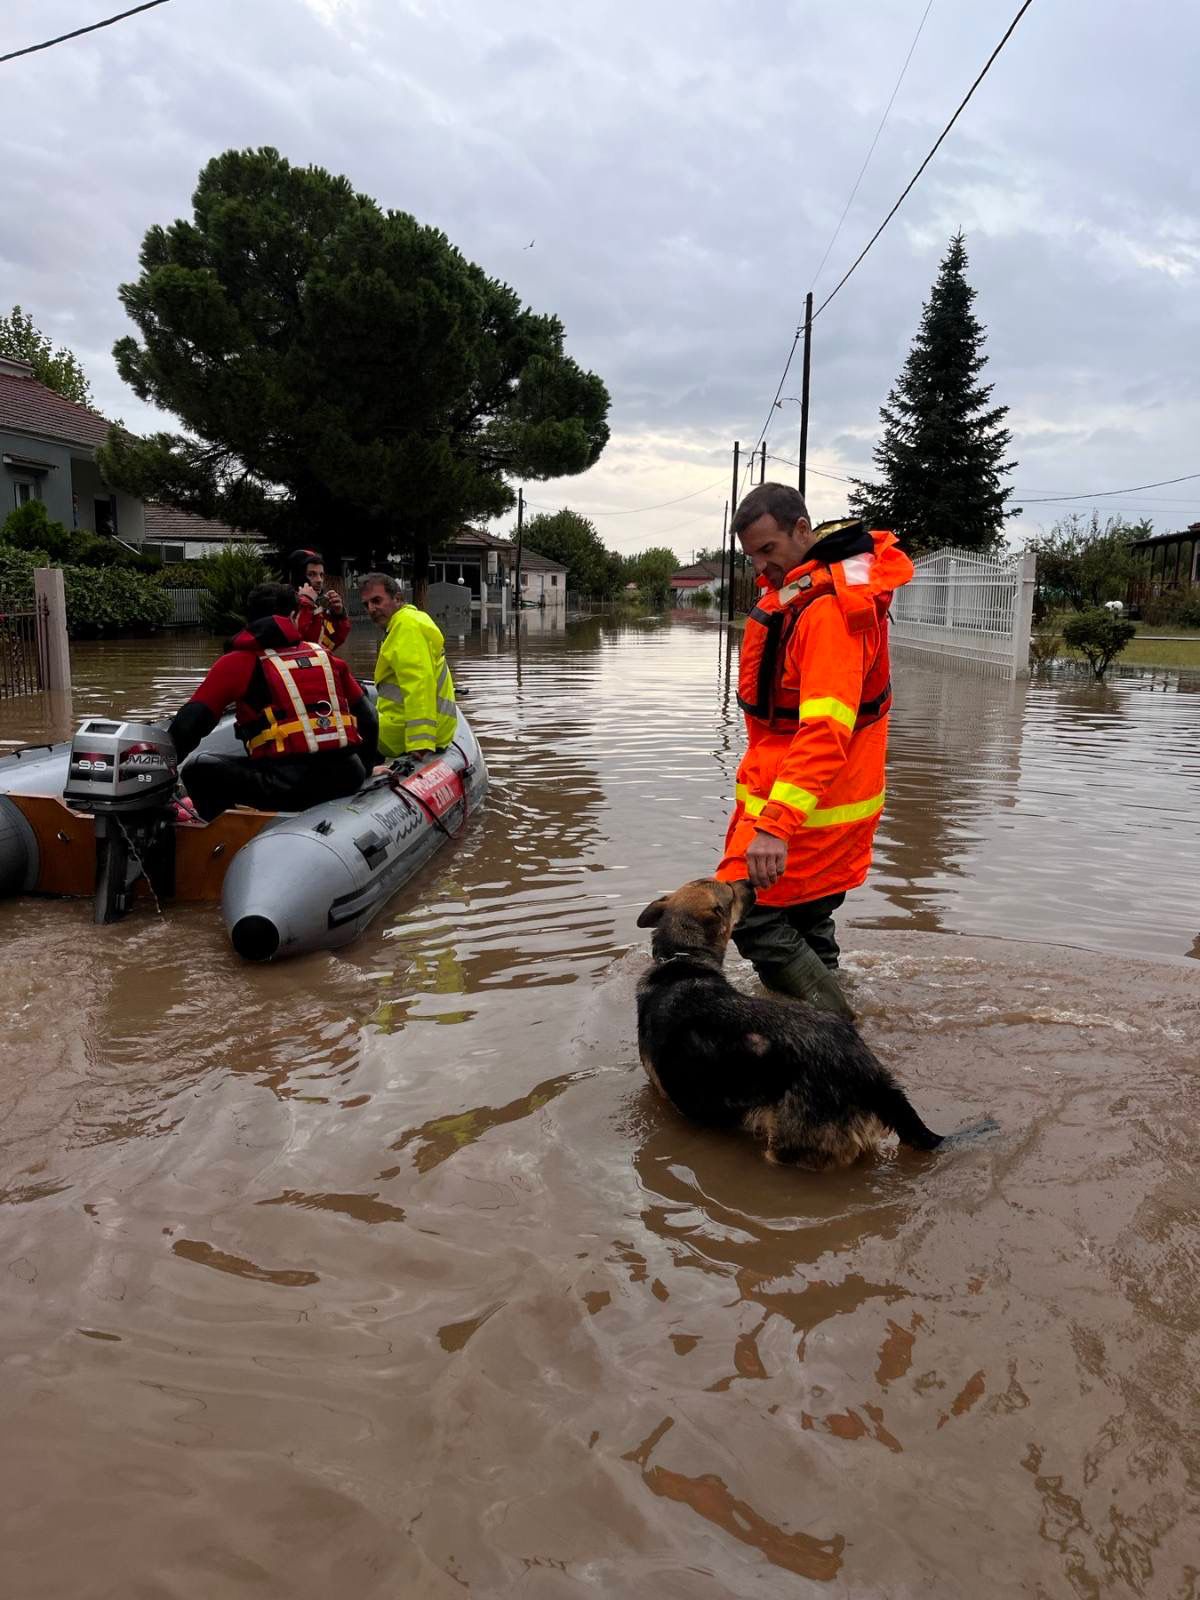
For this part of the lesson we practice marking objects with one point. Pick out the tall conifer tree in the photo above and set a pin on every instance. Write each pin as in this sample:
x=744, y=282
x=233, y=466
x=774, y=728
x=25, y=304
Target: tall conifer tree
x=941, y=457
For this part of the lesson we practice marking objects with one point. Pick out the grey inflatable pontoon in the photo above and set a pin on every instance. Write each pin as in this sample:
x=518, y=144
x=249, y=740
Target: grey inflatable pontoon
x=87, y=819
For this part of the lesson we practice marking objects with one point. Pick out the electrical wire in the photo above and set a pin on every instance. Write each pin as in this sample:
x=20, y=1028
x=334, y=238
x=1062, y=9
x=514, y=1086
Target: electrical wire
x=867, y=162
x=787, y=461
x=1104, y=494
x=908, y=188
x=76, y=33
x=634, y=511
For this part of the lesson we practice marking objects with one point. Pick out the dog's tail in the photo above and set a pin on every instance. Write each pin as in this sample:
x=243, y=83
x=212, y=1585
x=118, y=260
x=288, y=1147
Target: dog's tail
x=895, y=1110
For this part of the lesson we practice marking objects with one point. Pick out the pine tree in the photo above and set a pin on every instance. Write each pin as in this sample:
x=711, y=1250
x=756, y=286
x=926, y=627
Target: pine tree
x=345, y=378
x=941, y=456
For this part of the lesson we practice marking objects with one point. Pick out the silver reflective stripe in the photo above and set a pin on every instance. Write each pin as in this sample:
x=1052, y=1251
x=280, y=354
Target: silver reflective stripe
x=284, y=668
x=390, y=691
x=447, y=708
x=420, y=722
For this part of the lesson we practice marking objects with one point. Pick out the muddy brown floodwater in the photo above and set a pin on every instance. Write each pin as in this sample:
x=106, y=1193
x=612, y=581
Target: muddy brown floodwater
x=383, y=1273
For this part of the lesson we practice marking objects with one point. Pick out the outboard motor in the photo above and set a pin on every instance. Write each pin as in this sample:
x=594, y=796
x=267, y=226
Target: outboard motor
x=123, y=774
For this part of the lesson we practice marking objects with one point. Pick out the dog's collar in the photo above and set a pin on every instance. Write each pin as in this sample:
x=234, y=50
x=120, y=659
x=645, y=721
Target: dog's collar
x=687, y=955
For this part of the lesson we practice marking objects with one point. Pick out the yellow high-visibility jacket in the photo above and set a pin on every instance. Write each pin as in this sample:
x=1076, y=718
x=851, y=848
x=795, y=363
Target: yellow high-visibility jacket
x=416, y=692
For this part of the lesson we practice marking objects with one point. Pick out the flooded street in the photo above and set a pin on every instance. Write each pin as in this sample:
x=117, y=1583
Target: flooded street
x=384, y=1273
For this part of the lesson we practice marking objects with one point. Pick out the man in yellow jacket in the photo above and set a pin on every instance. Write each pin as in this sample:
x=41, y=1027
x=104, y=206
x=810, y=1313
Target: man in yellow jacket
x=413, y=683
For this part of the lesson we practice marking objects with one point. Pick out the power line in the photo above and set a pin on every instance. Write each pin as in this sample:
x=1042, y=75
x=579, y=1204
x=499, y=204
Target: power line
x=76, y=33
x=1009, y=31
x=867, y=162
x=788, y=462
x=634, y=511
x=1105, y=494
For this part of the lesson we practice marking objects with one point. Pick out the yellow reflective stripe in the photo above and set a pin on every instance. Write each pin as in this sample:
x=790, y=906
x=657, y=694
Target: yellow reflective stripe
x=278, y=731
x=836, y=710
x=787, y=794
x=834, y=816
x=752, y=804
x=801, y=800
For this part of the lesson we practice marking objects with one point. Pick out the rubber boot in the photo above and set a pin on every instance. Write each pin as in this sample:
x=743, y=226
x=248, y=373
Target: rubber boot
x=806, y=977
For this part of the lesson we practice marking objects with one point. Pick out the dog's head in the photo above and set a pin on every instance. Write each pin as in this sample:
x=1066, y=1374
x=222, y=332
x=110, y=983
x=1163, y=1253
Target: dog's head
x=700, y=916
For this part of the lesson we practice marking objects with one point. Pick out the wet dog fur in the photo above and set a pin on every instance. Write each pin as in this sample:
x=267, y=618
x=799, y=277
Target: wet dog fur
x=800, y=1079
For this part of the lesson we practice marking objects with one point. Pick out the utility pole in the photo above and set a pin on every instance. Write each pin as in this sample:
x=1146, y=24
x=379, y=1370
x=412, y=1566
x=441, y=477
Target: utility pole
x=808, y=319
x=733, y=500
x=520, y=530
x=762, y=463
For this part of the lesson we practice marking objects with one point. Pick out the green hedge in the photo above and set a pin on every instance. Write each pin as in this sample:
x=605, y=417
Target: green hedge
x=1177, y=607
x=100, y=600
x=29, y=528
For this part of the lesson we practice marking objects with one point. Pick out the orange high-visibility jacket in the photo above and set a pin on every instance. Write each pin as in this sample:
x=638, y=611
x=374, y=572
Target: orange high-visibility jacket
x=814, y=683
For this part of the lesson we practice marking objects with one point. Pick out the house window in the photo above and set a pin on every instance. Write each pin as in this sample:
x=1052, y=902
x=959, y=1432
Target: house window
x=25, y=490
x=524, y=580
x=554, y=580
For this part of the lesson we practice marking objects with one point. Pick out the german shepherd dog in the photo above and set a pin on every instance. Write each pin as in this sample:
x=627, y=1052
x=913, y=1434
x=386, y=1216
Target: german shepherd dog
x=802, y=1080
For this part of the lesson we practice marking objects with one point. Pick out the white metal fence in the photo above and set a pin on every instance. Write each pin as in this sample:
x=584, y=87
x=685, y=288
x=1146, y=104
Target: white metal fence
x=969, y=608
x=185, y=607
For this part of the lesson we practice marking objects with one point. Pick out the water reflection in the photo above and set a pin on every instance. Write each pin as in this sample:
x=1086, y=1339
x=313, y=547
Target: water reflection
x=403, y=1227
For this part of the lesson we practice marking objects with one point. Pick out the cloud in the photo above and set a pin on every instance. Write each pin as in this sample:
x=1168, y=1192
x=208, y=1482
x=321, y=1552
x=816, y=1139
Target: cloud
x=681, y=168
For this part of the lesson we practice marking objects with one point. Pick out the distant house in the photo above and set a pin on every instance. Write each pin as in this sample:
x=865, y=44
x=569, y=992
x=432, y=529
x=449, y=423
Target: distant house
x=48, y=452
x=1166, y=561
x=543, y=582
x=704, y=577
x=479, y=558
x=178, y=536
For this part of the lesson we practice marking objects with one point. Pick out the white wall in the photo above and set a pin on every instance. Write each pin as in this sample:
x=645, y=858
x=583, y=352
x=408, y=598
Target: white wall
x=536, y=584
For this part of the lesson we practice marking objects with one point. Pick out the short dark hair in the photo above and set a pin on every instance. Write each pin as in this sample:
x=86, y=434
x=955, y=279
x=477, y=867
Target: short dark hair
x=386, y=582
x=270, y=600
x=777, y=500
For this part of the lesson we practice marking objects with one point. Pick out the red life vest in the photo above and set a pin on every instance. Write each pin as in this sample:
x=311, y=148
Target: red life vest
x=306, y=710
x=762, y=693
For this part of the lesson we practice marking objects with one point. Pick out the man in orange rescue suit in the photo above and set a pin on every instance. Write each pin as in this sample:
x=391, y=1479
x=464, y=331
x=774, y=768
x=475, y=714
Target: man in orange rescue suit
x=814, y=684
x=309, y=730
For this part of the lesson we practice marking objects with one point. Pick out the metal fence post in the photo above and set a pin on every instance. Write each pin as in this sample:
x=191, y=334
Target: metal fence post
x=54, y=653
x=1023, y=613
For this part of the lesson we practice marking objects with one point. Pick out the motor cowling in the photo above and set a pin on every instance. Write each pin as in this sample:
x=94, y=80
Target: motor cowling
x=119, y=767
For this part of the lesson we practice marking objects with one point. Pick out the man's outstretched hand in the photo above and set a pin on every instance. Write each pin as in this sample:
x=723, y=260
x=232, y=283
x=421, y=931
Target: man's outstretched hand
x=766, y=860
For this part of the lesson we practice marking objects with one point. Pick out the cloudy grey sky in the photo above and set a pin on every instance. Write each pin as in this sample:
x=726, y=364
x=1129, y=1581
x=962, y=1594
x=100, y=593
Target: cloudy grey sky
x=681, y=166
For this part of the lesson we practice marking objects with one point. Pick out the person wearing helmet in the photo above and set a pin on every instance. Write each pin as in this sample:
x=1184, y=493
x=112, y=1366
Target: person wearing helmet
x=322, y=617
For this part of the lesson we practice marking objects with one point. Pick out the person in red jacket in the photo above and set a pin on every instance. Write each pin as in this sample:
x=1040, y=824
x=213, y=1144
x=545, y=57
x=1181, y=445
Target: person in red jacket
x=322, y=615
x=814, y=683
x=309, y=730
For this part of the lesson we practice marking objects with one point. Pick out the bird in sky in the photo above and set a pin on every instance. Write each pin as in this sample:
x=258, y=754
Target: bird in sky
x=531, y=244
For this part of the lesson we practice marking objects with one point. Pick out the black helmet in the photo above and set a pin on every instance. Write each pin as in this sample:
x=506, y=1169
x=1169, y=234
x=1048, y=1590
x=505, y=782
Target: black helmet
x=299, y=561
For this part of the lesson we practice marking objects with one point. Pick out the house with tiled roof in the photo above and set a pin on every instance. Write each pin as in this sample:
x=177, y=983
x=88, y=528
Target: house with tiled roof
x=701, y=576
x=176, y=535
x=480, y=559
x=48, y=452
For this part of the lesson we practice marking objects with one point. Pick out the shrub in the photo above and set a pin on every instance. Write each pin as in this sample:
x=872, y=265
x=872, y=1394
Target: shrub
x=1098, y=635
x=104, y=600
x=181, y=575
x=30, y=528
x=228, y=576
x=702, y=599
x=1044, y=646
x=112, y=600
x=1180, y=607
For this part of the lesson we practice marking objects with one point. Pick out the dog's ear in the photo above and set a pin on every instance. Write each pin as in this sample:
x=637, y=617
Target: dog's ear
x=653, y=914
x=743, y=899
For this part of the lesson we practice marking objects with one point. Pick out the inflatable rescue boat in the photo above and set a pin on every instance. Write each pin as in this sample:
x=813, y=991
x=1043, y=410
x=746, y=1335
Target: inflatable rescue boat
x=92, y=819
